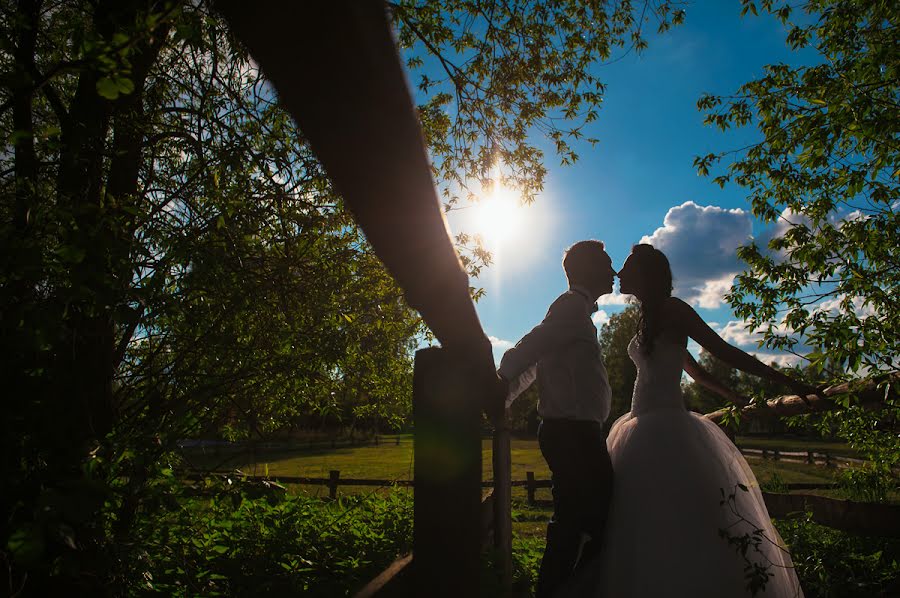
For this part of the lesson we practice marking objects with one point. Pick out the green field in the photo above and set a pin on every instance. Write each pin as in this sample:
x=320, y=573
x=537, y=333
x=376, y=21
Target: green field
x=390, y=461
x=393, y=460
x=839, y=449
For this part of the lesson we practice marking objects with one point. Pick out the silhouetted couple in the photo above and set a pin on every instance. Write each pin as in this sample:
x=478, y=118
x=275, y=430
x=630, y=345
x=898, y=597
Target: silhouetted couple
x=649, y=510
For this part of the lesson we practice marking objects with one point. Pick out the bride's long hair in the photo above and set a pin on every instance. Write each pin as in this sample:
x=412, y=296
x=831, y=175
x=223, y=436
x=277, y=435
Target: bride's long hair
x=656, y=282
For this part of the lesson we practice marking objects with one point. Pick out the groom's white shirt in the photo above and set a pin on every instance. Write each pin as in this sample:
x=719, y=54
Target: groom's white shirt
x=565, y=351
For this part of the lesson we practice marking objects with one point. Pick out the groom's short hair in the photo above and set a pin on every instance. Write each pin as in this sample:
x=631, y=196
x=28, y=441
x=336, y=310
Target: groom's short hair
x=582, y=260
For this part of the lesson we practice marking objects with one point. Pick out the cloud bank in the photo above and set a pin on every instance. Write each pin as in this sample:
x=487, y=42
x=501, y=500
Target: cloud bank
x=701, y=243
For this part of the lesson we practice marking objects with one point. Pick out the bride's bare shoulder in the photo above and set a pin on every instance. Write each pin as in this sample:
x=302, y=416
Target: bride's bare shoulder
x=675, y=306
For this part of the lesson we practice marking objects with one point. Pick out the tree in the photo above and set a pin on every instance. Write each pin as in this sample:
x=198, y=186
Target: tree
x=174, y=261
x=826, y=172
x=173, y=258
x=614, y=338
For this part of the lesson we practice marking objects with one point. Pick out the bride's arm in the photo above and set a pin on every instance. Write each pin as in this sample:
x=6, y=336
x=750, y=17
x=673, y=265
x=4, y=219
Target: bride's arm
x=707, y=380
x=683, y=316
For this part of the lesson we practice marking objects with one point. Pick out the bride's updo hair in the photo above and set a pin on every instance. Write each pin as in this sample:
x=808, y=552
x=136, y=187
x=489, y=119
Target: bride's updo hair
x=656, y=284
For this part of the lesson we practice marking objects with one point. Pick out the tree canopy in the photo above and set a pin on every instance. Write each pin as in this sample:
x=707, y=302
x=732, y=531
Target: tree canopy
x=825, y=174
x=174, y=260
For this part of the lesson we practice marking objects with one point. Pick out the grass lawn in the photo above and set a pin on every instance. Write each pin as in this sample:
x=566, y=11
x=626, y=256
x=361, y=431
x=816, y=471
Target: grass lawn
x=790, y=473
x=390, y=461
x=839, y=449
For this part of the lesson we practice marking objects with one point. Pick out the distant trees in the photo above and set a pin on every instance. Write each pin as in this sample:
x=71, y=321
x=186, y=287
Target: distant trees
x=614, y=338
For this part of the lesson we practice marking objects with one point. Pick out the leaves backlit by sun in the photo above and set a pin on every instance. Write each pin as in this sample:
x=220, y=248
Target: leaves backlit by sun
x=499, y=217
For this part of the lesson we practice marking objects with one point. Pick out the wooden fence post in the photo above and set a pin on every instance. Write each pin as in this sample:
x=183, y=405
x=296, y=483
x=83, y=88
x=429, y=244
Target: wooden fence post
x=529, y=477
x=503, y=503
x=764, y=454
x=398, y=440
x=777, y=455
x=448, y=394
x=828, y=462
x=810, y=457
x=333, y=481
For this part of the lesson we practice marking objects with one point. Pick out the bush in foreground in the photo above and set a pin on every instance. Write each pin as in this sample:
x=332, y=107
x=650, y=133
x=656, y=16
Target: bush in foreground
x=234, y=544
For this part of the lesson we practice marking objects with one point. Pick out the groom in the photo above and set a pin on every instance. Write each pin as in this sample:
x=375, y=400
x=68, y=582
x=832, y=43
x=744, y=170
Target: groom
x=574, y=404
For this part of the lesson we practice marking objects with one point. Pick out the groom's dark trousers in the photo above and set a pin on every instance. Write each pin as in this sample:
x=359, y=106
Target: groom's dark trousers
x=582, y=487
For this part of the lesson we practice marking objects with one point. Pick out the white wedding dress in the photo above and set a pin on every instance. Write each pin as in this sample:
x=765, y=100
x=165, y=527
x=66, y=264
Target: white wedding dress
x=673, y=468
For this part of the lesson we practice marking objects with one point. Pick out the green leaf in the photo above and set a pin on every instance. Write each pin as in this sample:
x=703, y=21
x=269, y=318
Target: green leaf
x=70, y=254
x=27, y=546
x=112, y=87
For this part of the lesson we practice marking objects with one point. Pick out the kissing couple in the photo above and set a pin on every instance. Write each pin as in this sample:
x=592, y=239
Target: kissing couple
x=665, y=505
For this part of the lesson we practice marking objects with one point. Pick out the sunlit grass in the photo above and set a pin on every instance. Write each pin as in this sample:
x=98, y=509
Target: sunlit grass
x=391, y=461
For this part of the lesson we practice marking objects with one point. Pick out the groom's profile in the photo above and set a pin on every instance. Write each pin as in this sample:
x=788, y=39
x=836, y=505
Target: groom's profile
x=573, y=405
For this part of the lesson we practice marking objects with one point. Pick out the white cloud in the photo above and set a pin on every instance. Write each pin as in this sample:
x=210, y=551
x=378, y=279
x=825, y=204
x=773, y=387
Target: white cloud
x=834, y=306
x=499, y=343
x=711, y=294
x=701, y=243
x=499, y=346
x=600, y=317
x=614, y=298
x=737, y=333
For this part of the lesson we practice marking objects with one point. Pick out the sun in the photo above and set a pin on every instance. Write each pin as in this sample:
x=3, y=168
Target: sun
x=498, y=217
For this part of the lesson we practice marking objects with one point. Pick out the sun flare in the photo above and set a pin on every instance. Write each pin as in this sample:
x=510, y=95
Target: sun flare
x=498, y=217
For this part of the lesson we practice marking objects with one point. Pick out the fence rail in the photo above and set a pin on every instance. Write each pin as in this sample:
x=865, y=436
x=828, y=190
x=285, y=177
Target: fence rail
x=531, y=484
x=822, y=458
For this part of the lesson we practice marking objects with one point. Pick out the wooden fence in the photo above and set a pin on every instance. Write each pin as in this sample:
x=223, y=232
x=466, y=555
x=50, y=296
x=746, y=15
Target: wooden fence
x=531, y=484
x=846, y=515
x=810, y=457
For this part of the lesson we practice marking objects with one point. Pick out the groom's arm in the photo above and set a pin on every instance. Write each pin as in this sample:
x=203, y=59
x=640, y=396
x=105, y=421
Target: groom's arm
x=553, y=332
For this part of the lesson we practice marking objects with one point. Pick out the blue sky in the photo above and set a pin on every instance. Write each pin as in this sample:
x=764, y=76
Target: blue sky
x=639, y=180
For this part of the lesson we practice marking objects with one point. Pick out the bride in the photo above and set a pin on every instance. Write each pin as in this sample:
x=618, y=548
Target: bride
x=687, y=517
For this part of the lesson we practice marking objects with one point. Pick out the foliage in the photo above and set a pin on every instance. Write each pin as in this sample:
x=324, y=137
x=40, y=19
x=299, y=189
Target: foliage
x=236, y=540
x=826, y=171
x=774, y=483
x=868, y=483
x=523, y=418
x=831, y=563
x=614, y=338
x=527, y=555
x=174, y=262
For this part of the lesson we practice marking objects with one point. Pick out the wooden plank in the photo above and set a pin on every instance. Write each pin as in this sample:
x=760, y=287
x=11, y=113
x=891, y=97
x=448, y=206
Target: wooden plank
x=487, y=520
x=448, y=394
x=866, y=390
x=333, y=480
x=394, y=581
x=503, y=504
